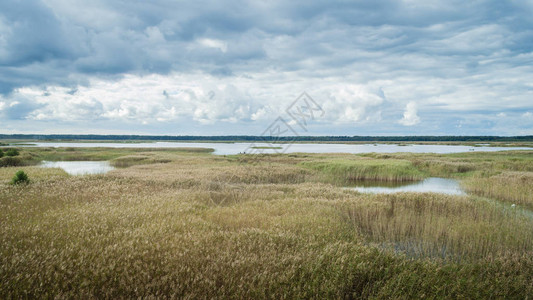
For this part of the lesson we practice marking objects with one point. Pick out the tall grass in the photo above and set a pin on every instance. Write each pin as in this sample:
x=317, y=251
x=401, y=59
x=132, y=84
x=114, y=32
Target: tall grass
x=441, y=226
x=34, y=155
x=35, y=173
x=203, y=226
x=512, y=187
x=139, y=159
x=464, y=164
x=443, y=167
x=349, y=170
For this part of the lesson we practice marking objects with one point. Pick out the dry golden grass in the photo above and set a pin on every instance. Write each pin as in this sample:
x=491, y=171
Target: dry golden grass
x=35, y=173
x=203, y=226
x=512, y=187
x=441, y=226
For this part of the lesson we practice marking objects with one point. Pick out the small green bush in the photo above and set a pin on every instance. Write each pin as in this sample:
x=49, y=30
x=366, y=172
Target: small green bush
x=12, y=152
x=1, y=153
x=20, y=177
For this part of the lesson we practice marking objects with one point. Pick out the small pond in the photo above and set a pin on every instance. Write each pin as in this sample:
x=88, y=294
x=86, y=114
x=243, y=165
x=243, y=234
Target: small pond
x=429, y=185
x=79, y=167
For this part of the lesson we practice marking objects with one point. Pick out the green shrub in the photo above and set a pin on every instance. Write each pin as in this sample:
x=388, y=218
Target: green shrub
x=1, y=153
x=12, y=152
x=20, y=177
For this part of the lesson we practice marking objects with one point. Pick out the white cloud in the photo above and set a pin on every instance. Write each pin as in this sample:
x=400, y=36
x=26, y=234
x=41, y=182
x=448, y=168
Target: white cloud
x=201, y=101
x=213, y=43
x=148, y=99
x=351, y=103
x=410, y=116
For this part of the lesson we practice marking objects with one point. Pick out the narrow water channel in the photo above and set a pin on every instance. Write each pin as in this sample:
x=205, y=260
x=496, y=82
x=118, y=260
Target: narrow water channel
x=79, y=167
x=433, y=185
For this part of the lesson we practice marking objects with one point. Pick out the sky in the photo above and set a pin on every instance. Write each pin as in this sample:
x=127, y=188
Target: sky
x=166, y=67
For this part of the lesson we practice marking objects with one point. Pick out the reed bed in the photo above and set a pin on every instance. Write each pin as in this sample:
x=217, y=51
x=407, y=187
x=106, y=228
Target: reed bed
x=441, y=226
x=439, y=166
x=464, y=164
x=32, y=156
x=203, y=226
x=512, y=187
x=350, y=170
x=139, y=159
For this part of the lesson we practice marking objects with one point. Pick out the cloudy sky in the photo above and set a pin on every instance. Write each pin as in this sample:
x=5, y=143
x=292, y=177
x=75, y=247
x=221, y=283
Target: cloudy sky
x=379, y=67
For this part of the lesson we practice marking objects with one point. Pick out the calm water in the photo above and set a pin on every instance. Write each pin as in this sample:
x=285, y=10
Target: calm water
x=79, y=167
x=235, y=148
x=433, y=184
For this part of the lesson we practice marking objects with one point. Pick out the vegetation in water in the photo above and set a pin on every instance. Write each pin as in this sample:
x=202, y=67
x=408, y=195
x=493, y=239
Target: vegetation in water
x=509, y=186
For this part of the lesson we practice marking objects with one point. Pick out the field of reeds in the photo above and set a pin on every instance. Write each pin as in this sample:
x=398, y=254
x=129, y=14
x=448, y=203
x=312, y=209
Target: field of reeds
x=347, y=170
x=189, y=224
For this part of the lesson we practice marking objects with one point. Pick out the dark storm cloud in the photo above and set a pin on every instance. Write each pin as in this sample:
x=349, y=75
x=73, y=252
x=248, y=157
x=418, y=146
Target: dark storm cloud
x=32, y=34
x=46, y=42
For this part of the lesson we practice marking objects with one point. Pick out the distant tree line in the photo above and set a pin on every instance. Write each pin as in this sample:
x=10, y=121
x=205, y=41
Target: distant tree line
x=252, y=138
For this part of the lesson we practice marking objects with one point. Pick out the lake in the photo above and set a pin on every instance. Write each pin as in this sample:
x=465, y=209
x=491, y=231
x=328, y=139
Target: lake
x=430, y=185
x=235, y=148
x=79, y=167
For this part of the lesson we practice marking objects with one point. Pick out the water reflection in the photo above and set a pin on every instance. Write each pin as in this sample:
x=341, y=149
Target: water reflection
x=79, y=167
x=433, y=185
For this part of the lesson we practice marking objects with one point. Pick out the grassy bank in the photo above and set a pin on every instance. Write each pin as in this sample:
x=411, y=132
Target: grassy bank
x=349, y=170
x=32, y=156
x=202, y=226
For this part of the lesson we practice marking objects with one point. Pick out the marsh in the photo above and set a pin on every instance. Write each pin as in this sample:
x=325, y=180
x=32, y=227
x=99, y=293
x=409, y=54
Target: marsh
x=189, y=224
